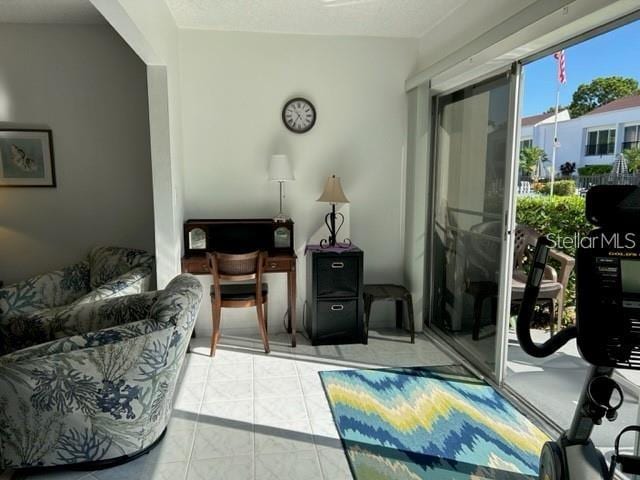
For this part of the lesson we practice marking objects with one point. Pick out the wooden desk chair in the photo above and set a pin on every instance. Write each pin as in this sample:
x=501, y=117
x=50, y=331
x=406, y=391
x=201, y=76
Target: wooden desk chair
x=238, y=268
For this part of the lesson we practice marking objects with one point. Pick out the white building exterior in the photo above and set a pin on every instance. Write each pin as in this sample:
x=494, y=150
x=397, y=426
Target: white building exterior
x=591, y=139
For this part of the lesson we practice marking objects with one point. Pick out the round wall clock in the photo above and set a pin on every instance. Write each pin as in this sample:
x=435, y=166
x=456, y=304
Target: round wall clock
x=299, y=115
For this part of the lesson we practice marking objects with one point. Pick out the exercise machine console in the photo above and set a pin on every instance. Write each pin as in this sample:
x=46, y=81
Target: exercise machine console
x=607, y=330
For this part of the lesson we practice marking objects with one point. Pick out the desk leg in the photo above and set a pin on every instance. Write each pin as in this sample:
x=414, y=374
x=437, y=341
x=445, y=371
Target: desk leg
x=291, y=325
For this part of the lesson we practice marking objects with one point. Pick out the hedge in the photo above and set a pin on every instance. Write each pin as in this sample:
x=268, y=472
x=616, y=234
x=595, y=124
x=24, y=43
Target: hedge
x=558, y=217
x=560, y=188
x=599, y=169
x=554, y=216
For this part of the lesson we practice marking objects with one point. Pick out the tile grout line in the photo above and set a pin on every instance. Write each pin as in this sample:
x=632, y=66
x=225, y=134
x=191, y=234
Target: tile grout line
x=195, y=430
x=306, y=409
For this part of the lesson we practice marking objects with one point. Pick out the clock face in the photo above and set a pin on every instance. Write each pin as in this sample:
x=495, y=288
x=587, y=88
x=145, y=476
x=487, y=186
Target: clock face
x=299, y=115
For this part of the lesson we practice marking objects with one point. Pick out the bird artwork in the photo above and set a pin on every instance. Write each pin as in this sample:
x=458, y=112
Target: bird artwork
x=21, y=159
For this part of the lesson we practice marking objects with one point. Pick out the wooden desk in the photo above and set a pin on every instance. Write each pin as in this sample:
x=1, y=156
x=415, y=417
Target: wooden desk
x=275, y=262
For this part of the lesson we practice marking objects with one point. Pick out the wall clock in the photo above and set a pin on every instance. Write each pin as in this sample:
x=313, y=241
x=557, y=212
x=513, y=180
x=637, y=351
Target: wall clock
x=299, y=115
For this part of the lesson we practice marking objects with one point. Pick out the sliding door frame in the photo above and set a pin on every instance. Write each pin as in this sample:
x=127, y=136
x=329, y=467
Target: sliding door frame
x=508, y=215
x=509, y=212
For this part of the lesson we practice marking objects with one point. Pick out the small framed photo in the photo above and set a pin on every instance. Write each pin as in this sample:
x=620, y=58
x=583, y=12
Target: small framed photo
x=26, y=158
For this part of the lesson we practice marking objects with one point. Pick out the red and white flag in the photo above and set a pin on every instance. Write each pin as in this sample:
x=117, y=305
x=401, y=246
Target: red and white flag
x=562, y=74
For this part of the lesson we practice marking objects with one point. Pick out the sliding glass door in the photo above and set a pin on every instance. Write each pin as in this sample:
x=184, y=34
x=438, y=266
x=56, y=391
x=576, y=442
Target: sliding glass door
x=474, y=138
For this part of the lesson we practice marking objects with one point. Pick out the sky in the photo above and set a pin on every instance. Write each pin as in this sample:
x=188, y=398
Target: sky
x=613, y=53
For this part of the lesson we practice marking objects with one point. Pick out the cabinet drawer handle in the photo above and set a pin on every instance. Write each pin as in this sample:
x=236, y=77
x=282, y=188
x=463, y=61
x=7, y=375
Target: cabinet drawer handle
x=273, y=265
x=337, y=307
x=337, y=265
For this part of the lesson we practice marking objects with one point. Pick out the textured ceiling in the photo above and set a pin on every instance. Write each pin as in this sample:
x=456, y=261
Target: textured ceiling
x=49, y=11
x=383, y=18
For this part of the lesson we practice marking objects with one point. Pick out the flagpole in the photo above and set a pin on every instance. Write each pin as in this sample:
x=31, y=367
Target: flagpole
x=555, y=142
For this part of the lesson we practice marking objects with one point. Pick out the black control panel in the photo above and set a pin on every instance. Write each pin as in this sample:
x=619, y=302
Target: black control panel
x=608, y=299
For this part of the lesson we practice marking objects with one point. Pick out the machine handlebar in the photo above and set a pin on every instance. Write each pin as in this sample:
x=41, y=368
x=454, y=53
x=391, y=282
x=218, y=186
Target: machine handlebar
x=527, y=308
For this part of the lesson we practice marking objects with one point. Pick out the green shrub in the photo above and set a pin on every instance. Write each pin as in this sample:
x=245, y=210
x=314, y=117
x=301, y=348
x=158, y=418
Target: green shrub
x=561, y=188
x=558, y=217
x=632, y=155
x=594, y=170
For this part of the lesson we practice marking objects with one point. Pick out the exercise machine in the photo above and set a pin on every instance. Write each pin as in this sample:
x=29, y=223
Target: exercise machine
x=607, y=330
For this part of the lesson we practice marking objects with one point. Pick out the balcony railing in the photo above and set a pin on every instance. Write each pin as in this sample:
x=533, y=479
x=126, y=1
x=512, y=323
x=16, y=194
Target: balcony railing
x=628, y=145
x=600, y=149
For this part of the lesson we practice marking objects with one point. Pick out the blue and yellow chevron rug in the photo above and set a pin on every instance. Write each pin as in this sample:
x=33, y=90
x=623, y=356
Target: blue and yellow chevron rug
x=430, y=423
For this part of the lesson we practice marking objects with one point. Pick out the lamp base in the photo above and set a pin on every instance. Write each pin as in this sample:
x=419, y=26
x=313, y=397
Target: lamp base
x=327, y=243
x=330, y=221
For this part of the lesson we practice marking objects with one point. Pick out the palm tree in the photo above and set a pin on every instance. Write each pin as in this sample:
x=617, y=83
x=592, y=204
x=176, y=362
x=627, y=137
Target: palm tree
x=531, y=158
x=632, y=156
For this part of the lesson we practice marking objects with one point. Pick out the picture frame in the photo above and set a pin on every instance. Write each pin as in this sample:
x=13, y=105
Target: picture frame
x=26, y=158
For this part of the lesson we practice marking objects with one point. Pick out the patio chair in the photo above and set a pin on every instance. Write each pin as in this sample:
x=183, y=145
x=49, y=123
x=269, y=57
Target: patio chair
x=482, y=272
x=554, y=282
x=482, y=269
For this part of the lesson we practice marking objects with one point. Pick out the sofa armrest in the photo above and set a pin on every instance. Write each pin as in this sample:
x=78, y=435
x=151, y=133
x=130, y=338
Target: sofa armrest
x=115, y=396
x=48, y=290
x=104, y=336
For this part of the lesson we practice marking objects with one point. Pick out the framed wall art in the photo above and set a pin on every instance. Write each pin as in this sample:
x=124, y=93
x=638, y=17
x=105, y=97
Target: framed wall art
x=26, y=158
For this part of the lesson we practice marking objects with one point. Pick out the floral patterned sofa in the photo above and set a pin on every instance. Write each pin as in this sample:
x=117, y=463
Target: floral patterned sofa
x=104, y=394
x=35, y=310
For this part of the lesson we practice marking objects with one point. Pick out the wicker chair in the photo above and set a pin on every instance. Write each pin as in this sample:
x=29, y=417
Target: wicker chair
x=238, y=268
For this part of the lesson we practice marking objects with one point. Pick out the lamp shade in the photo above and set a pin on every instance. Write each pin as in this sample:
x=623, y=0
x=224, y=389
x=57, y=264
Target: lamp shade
x=333, y=191
x=280, y=169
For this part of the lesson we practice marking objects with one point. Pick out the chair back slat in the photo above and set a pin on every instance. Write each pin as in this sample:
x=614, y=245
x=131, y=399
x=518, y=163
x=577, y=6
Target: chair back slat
x=234, y=267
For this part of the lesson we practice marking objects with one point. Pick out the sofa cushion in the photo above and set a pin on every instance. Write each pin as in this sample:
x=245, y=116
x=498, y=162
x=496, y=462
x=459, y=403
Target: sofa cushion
x=27, y=330
x=130, y=283
x=108, y=263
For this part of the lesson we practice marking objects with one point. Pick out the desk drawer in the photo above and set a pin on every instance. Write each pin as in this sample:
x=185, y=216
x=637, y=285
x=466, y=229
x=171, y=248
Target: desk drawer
x=195, y=265
x=278, y=264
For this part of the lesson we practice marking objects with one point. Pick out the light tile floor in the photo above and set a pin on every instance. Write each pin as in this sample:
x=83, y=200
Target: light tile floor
x=246, y=415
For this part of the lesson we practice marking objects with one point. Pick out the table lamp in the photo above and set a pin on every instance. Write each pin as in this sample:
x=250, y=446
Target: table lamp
x=333, y=194
x=280, y=171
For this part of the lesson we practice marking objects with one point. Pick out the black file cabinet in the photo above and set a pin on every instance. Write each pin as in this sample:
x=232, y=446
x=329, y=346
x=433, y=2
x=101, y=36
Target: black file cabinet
x=334, y=296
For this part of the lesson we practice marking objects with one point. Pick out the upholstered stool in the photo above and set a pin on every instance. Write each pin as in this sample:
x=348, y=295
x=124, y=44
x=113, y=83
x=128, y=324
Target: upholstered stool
x=396, y=293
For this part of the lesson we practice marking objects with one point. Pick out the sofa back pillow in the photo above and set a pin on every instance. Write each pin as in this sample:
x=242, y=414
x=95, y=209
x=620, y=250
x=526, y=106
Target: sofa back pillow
x=108, y=263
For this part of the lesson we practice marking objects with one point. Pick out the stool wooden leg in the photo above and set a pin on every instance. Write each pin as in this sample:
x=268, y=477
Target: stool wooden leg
x=412, y=324
x=367, y=315
x=399, y=315
x=215, y=335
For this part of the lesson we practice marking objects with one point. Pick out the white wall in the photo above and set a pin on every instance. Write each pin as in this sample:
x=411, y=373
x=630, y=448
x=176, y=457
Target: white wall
x=149, y=28
x=234, y=86
x=417, y=178
x=89, y=88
